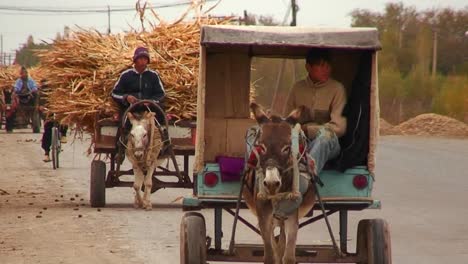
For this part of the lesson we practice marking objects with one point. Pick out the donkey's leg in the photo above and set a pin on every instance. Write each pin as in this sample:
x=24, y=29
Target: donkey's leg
x=265, y=222
x=291, y=226
x=148, y=184
x=281, y=242
x=277, y=252
x=137, y=186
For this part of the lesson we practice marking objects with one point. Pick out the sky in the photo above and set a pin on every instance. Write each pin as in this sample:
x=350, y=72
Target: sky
x=16, y=26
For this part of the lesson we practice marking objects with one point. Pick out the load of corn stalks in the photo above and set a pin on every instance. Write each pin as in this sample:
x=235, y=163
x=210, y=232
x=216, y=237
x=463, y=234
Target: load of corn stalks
x=83, y=69
x=9, y=75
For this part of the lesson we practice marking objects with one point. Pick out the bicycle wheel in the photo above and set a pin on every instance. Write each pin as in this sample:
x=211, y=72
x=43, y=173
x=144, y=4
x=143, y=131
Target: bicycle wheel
x=54, y=147
x=59, y=147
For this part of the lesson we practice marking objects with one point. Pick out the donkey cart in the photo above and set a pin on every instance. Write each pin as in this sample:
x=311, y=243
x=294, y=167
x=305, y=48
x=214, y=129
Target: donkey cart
x=107, y=141
x=233, y=59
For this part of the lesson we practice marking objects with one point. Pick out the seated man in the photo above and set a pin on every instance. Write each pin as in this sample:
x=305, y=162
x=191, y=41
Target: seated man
x=139, y=83
x=9, y=105
x=26, y=88
x=324, y=99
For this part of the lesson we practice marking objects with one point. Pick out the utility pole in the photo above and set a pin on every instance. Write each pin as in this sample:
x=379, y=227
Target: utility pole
x=294, y=9
x=108, y=20
x=434, y=53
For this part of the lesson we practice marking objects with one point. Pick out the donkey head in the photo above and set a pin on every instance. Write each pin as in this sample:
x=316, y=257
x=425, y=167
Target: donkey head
x=274, y=148
x=139, y=134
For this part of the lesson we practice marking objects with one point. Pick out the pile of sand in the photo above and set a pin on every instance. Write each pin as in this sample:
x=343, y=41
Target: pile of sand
x=385, y=127
x=430, y=125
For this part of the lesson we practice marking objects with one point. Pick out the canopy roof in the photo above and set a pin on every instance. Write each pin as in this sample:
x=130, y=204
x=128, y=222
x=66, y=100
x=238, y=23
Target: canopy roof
x=294, y=37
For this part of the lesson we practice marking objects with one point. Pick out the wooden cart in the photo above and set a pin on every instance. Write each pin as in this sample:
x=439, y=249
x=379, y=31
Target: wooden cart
x=106, y=142
x=229, y=58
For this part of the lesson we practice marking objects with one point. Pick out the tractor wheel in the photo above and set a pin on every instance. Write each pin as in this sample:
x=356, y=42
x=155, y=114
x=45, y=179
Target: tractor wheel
x=98, y=184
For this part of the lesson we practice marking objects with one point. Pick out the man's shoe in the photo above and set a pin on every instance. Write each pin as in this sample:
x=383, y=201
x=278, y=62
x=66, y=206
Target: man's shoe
x=63, y=139
x=46, y=158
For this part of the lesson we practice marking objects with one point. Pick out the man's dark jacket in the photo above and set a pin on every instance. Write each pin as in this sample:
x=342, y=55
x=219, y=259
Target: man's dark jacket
x=146, y=85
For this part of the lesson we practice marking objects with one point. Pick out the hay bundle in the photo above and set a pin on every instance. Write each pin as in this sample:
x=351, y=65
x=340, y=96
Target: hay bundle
x=9, y=75
x=83, y=69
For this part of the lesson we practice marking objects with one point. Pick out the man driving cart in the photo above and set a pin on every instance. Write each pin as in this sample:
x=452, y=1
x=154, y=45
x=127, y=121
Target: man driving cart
x=140, y=83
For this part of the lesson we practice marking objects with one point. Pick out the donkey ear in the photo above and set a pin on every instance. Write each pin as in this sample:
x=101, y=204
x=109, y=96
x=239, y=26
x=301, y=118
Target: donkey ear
x=149, y=115
x=299, y=115
x=257, y=111
x=130, y=117
x=293, y=117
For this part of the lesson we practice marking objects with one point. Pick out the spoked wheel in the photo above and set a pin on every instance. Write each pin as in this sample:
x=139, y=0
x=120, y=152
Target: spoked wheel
x=193, y=239
x=97, y=190
x=55, y=147
x=373, y=242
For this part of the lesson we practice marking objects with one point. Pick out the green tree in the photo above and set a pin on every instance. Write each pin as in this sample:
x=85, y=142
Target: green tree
x=405, y=62
x=26, y=56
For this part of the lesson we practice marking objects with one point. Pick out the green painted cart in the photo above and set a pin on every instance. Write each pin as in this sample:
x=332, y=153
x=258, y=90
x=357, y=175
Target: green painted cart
x=236, y=62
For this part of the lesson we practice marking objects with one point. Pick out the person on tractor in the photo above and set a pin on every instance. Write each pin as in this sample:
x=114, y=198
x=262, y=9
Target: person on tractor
x=25, y=89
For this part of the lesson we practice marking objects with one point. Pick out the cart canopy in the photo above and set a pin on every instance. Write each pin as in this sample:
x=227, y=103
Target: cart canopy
x=263, y=39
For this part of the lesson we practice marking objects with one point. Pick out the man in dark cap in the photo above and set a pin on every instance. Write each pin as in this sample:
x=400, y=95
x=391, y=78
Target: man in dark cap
x=139, y=82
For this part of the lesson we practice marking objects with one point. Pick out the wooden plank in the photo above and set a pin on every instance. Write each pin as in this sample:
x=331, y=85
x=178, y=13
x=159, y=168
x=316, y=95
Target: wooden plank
x=215, y=138
x=237, y=86
x=215, y=85
x=236, y=129
x=200, y=141
x=227, y=85
x=374, y=117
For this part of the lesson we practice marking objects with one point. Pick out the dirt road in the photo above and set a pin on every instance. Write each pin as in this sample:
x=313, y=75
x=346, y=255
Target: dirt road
x=45, y=215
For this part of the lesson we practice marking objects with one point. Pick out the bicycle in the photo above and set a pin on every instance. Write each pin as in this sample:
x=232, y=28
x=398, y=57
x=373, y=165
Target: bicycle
x=56, y=146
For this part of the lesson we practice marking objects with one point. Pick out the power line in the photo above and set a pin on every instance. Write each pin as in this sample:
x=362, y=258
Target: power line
x=88, y=10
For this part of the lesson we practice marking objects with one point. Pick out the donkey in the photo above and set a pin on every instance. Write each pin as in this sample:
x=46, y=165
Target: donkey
x=269, y=181
x=143, y=148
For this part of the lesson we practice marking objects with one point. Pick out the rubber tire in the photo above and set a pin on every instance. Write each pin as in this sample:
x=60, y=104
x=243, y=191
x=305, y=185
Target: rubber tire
x=36, y=122
x=193, y=239
x=373, y=242
x=54, y=148
x=97, y=192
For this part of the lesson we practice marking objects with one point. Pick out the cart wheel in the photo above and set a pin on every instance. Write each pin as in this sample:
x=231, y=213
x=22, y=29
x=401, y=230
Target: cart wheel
x=98, y=184
x=36, y=122
x=193, y=239
x=55, y=148
x=373, y=242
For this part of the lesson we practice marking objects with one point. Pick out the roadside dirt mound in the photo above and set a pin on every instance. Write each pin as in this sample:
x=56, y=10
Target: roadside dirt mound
x=385, y=127
x=431, y=125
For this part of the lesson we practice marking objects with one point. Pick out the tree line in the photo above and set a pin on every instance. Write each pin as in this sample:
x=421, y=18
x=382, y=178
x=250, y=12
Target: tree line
x=423, y=65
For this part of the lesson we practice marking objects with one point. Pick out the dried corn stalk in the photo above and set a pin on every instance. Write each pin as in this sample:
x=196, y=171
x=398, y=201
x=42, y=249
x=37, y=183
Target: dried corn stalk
x=9, y=75
x=82, y=70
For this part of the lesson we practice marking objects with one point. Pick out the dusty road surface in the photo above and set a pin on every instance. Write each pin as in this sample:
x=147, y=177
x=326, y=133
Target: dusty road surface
x=45, y=215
